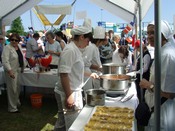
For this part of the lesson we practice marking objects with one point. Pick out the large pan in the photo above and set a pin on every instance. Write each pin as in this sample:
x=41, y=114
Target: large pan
x=111, y=68
x=115, y=82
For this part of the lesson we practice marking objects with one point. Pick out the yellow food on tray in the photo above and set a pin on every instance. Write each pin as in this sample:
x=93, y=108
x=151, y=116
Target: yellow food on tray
x=110, y=119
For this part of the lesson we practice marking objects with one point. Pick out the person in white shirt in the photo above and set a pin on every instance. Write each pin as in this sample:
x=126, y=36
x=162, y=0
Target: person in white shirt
x=91, y=56
x=71, y=78
x=61, y=38
x=122, y=57
x=116, y=39
x=32, y=47
x=146, y=66
x=14, y=63
x=167, y=63
x=53, y=48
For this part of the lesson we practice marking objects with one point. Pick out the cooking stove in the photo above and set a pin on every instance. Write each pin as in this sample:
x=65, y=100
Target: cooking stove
x=116, y=93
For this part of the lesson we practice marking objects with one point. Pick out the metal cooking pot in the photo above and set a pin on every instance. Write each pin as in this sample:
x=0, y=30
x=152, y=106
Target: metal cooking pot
x=95, y=97
x=111, y=68
x=115, y=82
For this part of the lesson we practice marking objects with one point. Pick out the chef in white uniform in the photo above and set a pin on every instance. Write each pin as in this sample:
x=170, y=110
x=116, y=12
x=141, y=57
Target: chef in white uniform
x=87, y=57
x=99, y=39
x=68, y=89
x=91, y=56
x=167, y=78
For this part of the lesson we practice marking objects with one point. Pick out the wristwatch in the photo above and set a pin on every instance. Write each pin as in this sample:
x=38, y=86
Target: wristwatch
x=151, y=87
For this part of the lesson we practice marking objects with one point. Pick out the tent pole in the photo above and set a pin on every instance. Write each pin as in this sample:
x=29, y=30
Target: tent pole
x=1, y=26
x=31, y=19
x=136, y=37
x=141, y=49
x=157, y=65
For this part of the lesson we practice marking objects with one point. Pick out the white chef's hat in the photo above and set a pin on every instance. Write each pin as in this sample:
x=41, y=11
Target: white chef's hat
x=87, y=23
x=99, y=33
x=81, y=30
x=165, y=29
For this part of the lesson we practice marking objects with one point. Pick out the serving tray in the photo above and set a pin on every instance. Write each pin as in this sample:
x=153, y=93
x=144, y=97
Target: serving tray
x=113, y=118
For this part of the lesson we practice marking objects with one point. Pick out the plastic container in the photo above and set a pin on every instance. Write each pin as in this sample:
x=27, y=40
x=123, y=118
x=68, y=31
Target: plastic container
x=36, y=100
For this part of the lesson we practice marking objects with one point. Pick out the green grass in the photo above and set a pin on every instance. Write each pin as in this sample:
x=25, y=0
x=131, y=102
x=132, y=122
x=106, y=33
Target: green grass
x=29, y=118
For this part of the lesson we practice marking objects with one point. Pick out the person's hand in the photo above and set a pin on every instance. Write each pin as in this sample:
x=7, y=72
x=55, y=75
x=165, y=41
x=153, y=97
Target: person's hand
x=145, y=84
x=70, y=101
x=40, y=47
x=138, y=72
x=11, y=74
x=100, y=69
x=50, y=52
x=94, y=75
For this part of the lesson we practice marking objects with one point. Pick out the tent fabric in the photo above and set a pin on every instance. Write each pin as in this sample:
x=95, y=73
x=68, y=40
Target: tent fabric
x=6, y=7
x=125, y=9
x=13, y=9
x=112, y=8
x=54, y=9
x=41, y=10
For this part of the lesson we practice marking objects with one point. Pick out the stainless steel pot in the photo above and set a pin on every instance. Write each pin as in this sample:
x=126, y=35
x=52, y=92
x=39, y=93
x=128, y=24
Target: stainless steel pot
x=95, y=97
x=111, y=68
x=115, y=82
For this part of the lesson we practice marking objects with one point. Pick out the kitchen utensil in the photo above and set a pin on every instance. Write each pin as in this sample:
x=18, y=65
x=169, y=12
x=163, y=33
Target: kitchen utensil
x=95, y=97
x=124, y=95
x=115, y=82
x=86, y=81
x=127, y=98
x=111, y=68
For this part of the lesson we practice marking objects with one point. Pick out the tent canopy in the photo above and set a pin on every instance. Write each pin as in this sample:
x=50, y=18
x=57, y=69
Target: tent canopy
x=12, y=9
x=41, y=10
x=53, y=9
x=125, y=9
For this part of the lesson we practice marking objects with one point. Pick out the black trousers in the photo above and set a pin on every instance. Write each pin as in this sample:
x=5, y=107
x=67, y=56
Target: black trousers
x=138, y=88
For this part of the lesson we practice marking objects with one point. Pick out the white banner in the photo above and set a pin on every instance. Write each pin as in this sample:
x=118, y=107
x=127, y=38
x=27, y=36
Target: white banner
x=81, y=15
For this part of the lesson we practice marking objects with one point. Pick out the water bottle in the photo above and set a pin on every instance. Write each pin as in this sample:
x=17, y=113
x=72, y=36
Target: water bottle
x=37, y=67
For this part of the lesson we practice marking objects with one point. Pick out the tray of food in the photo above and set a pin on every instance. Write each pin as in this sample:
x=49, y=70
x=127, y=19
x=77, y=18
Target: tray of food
x=105, y=118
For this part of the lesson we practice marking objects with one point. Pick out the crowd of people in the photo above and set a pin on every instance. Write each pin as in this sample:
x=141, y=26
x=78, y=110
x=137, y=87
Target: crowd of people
x=82, y=59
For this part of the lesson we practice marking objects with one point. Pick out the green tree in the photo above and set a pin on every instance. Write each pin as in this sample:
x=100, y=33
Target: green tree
x=17, y=27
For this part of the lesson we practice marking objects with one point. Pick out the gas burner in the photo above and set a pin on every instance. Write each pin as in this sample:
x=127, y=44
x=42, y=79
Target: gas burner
x=116, y=93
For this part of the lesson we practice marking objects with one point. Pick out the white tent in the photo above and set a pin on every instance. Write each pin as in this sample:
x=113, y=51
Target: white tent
x=125, y=9
x=11, y=9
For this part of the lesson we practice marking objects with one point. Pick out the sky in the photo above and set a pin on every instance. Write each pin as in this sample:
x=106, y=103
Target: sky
x=94, y=12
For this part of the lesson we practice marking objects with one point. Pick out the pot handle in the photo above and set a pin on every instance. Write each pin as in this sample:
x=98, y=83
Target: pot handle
x=132, y=79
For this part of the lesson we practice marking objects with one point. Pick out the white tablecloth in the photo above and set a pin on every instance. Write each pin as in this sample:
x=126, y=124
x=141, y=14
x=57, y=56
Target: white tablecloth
x=45, y=79
x=31, y=78
x=2, y=77
x=86, y=112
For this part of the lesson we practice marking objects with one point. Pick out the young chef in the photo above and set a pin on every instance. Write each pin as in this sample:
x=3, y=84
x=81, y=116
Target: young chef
x=71, y=76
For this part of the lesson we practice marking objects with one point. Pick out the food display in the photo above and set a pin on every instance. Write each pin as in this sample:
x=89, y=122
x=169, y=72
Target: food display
x=116, y=77
x=110, y=119
x=40, y=63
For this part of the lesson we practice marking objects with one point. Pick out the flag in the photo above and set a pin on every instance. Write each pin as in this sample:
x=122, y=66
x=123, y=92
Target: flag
x=129, y=39
x=129, y=27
